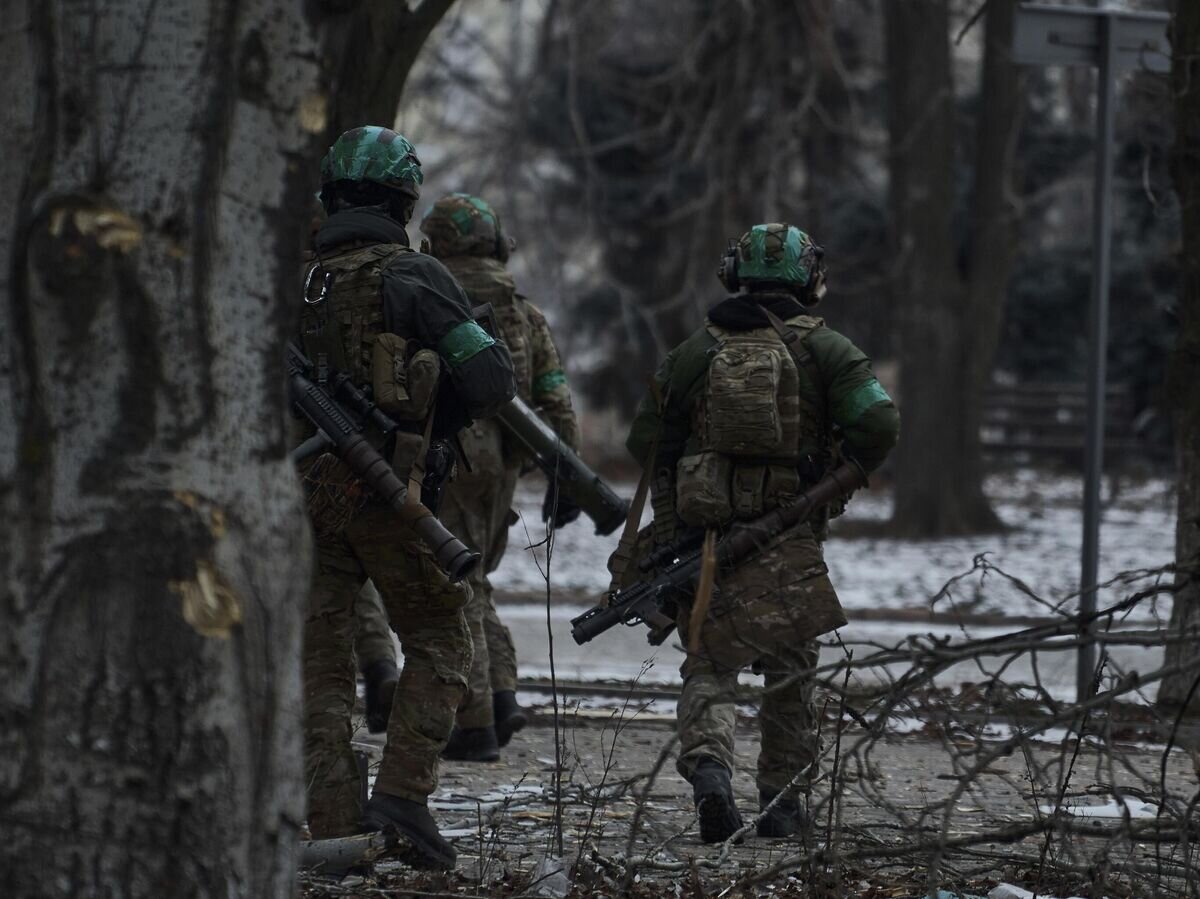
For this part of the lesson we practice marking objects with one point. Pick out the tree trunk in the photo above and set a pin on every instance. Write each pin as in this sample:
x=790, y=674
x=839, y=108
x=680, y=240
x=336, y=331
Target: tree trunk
x=992, y=236
x=939, y=487
x=369, y=48
x=155, y=171
x=1184, y=374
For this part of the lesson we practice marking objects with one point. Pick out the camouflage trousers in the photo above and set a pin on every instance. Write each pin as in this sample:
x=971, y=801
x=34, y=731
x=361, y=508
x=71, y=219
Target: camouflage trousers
x=476, y=507
x=372, y=634
x=766, y=614
x=426, y=612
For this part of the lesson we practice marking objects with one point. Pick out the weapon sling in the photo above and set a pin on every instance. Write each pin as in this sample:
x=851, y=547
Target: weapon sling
x=623, y=554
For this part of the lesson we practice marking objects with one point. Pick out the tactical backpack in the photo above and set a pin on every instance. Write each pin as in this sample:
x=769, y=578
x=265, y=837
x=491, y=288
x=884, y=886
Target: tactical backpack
x=760, y=425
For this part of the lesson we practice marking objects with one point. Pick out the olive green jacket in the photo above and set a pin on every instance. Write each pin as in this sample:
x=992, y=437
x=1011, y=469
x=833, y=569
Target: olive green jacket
x=857, y=403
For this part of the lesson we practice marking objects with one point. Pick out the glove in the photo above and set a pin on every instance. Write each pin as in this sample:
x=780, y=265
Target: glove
x=558, y=504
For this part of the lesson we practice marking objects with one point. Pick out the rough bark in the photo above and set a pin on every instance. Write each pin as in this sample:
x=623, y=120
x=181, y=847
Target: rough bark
x=369, y=49
x=1184, y=372
x=948, y=319
x=155, y=172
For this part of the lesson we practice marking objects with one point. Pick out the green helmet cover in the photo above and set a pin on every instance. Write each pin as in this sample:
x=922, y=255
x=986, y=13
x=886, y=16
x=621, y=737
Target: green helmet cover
x=376, y=154
x=777, y=252
x=461, y=224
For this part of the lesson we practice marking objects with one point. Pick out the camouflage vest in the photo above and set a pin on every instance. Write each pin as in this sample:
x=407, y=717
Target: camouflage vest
x=759, y=426
x=356, y=303
x=486, y=280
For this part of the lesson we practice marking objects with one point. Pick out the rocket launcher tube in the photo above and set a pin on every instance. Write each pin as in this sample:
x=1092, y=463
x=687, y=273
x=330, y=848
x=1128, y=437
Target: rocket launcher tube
x=576, y=481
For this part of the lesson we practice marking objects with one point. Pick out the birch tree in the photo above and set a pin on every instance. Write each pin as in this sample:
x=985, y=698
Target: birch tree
x=156, y=173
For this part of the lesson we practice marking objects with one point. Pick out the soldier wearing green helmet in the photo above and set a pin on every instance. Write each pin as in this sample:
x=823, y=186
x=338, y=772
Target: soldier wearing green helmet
x=397, y=323
x=466, y=234
x=750, y=410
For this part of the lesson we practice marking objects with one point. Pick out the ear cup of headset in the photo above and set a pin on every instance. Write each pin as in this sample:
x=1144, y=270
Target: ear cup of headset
x=728, y=270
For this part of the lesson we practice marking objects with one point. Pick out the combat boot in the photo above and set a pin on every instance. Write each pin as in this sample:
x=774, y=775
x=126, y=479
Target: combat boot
x=472, y=744
x=786, y=818
x=414, y=827
x=715, y=807
x=381, y=678
x=509, y=716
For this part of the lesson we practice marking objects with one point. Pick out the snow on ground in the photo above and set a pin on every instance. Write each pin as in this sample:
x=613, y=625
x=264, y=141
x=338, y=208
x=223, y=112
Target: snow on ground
x=1042, y=549
x=623, y=655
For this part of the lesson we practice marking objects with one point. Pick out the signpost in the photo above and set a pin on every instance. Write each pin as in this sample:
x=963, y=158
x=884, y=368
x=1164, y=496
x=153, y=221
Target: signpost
x=1112, y=41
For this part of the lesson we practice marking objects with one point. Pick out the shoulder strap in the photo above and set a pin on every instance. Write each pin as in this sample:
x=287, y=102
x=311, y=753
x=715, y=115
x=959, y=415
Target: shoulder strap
x=323, y=342
x=803, y=358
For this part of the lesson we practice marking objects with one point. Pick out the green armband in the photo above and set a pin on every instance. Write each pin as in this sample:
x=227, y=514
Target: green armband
x=851, y=408
x=549, y=381
x=463, y=341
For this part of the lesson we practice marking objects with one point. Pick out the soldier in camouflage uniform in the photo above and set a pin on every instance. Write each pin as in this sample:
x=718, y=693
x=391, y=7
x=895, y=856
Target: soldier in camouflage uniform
x=395, y=321
x=743, y=424
x=466, y=235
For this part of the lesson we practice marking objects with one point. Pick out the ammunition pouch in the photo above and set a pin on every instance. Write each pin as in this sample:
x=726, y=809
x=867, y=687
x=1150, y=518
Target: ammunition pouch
x=713, y=489
x=702, y=489
x=404, y=384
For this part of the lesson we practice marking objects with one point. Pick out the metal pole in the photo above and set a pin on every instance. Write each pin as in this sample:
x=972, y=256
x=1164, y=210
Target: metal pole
x=1097, y=342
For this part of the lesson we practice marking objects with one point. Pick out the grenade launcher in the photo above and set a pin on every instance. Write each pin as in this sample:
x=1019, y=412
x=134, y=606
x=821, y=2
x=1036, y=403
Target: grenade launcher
x=649, y=600
x=339, y=416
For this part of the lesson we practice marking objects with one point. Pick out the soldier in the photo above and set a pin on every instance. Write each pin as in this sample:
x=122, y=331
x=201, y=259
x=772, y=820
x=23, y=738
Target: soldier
x=744, y=423
x=393, y=320
x=466, y=235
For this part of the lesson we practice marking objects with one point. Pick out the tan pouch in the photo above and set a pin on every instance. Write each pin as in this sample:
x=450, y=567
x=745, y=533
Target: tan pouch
x=404, y=386
x=702, y=490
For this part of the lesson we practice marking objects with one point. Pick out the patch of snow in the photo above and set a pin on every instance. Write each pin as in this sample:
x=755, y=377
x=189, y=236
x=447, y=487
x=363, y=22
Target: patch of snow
x=1135, y=808
x=872, y=573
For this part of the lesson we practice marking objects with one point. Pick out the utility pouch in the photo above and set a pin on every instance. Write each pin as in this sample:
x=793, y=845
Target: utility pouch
x=702, y=490
x=404, y=386
x=782, y=483
x=748, y=490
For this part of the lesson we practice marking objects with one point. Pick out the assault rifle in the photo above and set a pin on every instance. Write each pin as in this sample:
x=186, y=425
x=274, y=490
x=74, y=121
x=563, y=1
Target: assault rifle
x=340, y=414
x=646, y=601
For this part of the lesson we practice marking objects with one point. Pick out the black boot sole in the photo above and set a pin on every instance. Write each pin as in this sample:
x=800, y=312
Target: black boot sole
x=471, y=755
x=509, y=726
x=719, y=819
x=772, y=829
x=412, y=847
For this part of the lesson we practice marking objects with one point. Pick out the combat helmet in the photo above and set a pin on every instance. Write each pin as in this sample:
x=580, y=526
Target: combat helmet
x=365, y=159
x=775, y=256
x=464, y=225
